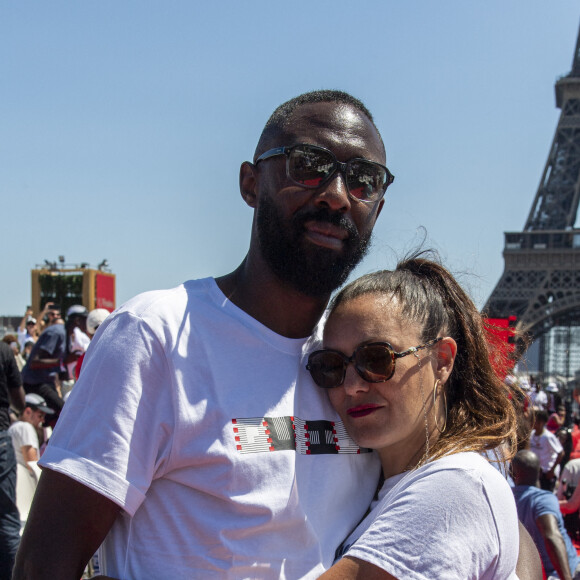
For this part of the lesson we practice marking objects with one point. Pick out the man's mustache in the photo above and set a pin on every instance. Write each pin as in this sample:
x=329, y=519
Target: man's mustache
x=325, y=215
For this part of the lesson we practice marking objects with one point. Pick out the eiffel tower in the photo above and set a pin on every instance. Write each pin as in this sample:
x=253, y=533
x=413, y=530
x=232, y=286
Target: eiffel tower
x=540, y=284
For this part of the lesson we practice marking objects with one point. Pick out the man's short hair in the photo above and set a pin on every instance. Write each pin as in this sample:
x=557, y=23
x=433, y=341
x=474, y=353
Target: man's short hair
x=280, y=118
x=526, y=466
x=541, y=415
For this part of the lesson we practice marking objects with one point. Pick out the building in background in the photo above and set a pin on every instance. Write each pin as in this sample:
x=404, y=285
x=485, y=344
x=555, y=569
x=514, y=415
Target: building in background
x=65, y=285
x=540, y=284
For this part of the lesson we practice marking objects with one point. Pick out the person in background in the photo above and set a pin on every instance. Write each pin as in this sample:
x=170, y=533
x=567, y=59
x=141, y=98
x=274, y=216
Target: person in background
x=27, y=349
x=11, y=394
x=27, y=329
x=539, y=398
x=77, y=343
x=95, y=318
x=557, y=420
x=554, y=399
x=548, y=449
x=24, y=432
x=25, y=438
x=11, y=341
x=569, y=497
x=49, y=315
x=539, y=512
x=40, y=375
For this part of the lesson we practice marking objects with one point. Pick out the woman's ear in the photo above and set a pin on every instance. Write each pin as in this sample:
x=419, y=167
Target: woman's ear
x=446, y=351
x=248, y=182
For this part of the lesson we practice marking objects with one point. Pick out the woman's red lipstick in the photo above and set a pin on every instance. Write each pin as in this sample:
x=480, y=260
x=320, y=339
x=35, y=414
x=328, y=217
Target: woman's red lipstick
x=362, y=410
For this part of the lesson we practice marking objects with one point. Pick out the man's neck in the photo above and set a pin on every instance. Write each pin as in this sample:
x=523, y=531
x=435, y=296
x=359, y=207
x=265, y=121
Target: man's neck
x=264, y=297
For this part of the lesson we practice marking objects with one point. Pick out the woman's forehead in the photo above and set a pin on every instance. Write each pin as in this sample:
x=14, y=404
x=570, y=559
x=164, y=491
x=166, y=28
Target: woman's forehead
x=376, y=315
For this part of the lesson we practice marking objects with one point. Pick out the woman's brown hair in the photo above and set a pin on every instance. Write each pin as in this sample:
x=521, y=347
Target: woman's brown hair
x=481, y=415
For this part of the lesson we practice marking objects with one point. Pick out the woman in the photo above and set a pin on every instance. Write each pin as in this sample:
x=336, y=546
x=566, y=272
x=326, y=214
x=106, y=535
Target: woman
x=407, y=368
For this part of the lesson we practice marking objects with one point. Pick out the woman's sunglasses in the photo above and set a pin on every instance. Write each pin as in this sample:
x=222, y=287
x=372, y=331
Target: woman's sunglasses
x=311, y=166
x=374, y=362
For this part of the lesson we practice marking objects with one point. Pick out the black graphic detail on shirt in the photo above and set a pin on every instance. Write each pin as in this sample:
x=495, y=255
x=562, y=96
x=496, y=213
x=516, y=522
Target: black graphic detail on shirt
x=264, y=434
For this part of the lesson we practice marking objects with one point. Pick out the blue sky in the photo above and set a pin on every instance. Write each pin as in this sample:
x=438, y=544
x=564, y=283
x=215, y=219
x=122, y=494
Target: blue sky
x=123, y=125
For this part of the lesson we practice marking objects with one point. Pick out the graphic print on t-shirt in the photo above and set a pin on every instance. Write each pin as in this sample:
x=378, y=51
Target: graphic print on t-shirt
x=264, y=434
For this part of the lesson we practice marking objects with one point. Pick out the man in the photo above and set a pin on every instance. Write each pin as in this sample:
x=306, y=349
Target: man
x=50, y=315
x=554, y=399
x=539, y=398
x=11, y=393
x=569, y=496
x=77, y=343
x=40, y=374
x=549, y=450
x=540, y=513
x=194, y=439
x=95, y=318
x=24, y=434
x=24, y=431
x=26, y=329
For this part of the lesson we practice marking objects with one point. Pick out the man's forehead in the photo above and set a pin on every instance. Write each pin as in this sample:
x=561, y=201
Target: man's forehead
x=339, y=122
x=338, y=116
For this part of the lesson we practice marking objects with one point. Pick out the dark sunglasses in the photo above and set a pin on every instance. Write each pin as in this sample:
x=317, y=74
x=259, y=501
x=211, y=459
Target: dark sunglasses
x=374, y=362
x=311, y=166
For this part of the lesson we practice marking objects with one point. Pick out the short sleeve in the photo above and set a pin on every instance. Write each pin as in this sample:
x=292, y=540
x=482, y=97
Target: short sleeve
x=115, y=431
x=427, y=529
x=546, y=503
x=52, y=342
x=23, y=434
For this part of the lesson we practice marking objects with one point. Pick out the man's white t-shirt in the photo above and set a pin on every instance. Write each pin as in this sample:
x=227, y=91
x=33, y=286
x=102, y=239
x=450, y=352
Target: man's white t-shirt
x=206, y=428
x=547, y=447
x=449, y=519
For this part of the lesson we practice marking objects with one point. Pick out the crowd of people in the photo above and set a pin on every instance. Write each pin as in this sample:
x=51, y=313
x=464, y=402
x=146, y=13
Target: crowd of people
x=47, y=352
x=546, y=471
x=241, y=427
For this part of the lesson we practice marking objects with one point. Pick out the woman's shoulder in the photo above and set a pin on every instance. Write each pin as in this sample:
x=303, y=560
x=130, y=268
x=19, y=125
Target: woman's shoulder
x=461, y=503
x=455, y=477
x=462, y=464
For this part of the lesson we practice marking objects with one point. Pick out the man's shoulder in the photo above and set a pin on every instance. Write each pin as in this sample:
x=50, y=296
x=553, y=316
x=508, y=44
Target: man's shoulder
x=539, y=496
x=52, y=331
x=161, y=310
x=153, y=302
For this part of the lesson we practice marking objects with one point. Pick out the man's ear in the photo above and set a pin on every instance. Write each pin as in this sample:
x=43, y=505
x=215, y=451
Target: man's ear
x=248, y=183
x=446, y=352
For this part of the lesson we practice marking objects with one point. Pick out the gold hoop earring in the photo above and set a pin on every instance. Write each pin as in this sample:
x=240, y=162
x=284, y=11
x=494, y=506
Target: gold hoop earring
x=426, y=454
x=442, y=430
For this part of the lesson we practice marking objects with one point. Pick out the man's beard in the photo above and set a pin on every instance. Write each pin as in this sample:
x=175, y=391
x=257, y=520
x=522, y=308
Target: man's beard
x=310, y=269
